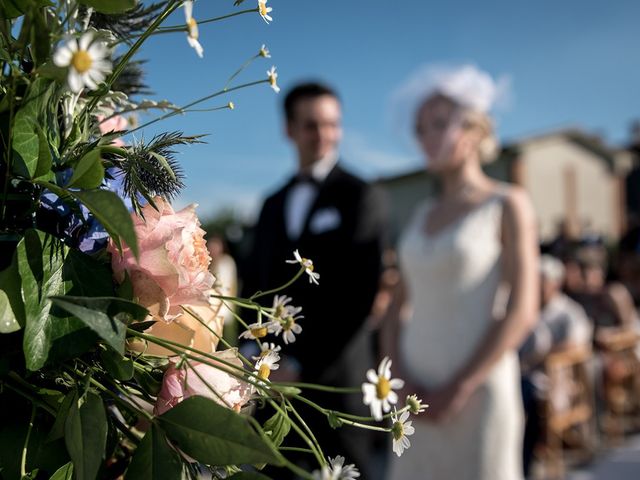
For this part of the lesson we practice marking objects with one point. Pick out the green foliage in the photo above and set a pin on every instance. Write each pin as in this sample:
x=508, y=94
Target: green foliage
x=86, y=435
x=117, y=365
x=277, y=427
x=89, y=172
x=110, y=6
x=40, y=261
x=30, y=156
x=215, y=435
x=11, y=302
x=65, y=472
x=154, y=458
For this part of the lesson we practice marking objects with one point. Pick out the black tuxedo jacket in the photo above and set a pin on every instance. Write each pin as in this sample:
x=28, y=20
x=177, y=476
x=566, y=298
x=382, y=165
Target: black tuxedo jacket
x=346, y=253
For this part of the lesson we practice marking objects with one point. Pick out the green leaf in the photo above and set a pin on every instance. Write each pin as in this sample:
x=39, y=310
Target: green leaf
x=89, y=277
x=40, y=261
x=154, y=459
x=32, y=475
x=35, y=109
x=102, y=315
x=215, y=435
x=117, y=365
x=65, y=472
x=277, y=427
x=249, y=476
x=45, y=158
x=25, y=143
x=89, y=171
x=10, y=286
x=40, y=42
x=57, y=431
x=8, y=322
x=15, y=8
x=86, y=435
x=150, y=383
x=111, y=212
x=110, y=6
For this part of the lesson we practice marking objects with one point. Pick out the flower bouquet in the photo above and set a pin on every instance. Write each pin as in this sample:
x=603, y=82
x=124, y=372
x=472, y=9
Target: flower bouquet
x=112, y=359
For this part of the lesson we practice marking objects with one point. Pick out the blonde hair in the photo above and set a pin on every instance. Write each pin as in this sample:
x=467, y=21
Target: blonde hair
x=488, y=147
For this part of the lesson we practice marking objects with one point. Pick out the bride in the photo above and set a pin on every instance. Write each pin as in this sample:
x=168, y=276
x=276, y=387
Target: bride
x=469, y=294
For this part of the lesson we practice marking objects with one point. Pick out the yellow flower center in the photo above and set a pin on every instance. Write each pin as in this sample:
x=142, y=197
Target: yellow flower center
x=383, y=388
x=264, y=371
x=81, y=61
x=272, y=79
x=193, y=28
x=259, y=332
x=263, y=9
x=308, y=264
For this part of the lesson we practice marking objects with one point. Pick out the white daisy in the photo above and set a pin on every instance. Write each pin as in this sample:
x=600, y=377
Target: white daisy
x=281, y=309
x=265, y=348
x=87, y=59
x=273, y=79
x=264, y=51
x=267, y=364
x=257, y=330
x=400, y=430
x=308, y=266
x=192, y=25
x=336, y=470
x=379, y=394
x=264, y=11
x=288, y=327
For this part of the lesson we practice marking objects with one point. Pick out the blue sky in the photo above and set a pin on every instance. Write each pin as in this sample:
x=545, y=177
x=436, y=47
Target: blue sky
x=569, y=63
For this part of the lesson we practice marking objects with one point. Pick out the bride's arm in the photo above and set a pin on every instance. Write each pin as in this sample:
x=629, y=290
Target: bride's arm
x=520, y=249
x=391, y=326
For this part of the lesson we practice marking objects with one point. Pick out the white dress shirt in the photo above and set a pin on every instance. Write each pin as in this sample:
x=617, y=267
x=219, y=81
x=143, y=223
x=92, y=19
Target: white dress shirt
x=302, y=195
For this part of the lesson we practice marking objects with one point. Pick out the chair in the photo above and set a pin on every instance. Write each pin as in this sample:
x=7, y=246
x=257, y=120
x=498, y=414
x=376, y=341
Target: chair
x=621, y=382
x=569, y=408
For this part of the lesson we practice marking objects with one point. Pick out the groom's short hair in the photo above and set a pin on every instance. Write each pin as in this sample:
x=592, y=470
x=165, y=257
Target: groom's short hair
x=303, y=91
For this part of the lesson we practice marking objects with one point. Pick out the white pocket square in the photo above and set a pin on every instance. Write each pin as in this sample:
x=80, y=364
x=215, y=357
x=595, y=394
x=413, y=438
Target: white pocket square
x=324, y=220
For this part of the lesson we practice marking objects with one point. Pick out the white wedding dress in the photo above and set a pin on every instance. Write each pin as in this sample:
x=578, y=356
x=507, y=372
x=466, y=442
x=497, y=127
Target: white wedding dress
x=453, y=277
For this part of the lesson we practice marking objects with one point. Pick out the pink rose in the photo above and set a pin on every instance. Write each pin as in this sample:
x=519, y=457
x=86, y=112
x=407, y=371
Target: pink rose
x=173, y=268
x=182, y=383
x=114, y=124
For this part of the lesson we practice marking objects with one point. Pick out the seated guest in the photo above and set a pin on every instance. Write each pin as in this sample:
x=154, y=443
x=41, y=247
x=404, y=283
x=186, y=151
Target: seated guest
x=563, y=324
x=609, y=305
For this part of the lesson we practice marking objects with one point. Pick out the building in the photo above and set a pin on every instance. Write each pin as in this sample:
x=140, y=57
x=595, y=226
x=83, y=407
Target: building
x=573, y=178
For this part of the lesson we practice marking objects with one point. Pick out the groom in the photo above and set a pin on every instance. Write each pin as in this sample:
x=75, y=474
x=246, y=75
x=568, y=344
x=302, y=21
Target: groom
x=333, y=218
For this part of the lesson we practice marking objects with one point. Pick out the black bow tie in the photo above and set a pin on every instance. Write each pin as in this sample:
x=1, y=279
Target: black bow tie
x=305, y=178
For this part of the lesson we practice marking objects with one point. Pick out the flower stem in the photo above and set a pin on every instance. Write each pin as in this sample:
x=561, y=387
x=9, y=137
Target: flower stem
x=316, y=445
x=323, y=388
x=195, y=102
x=185, y=28
x=276, y=290
x=23, y=461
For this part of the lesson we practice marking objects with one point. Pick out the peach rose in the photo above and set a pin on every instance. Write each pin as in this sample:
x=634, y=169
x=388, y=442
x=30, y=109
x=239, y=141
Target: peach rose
x=173, y=268
x=182, y=383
